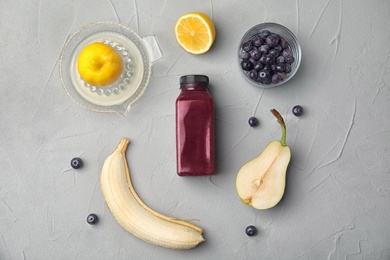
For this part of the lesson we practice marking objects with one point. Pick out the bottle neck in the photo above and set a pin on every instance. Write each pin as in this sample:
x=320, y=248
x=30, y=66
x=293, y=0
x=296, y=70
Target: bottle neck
x=193, y=87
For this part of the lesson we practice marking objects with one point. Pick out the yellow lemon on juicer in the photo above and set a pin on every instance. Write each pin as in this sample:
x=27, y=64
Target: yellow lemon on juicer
x=99, y=64
x=195, y=32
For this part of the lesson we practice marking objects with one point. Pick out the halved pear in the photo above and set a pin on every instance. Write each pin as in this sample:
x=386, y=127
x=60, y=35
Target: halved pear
x=260, y=183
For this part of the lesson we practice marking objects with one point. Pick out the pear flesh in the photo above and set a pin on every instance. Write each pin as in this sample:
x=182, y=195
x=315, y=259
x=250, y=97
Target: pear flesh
x=260, y=183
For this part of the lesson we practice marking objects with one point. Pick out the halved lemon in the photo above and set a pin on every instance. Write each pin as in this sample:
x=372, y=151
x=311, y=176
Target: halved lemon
x=99, y=64
x=195, y=32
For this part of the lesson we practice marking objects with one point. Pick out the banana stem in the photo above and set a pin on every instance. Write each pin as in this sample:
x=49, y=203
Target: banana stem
x=283, y=125
x=122, y=146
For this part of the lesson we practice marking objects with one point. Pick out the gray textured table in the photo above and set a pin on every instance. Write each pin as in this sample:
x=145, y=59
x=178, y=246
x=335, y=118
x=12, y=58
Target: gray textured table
x=336, y=204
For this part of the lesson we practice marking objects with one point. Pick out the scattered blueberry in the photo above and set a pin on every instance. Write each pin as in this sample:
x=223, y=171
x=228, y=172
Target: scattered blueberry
x=92, y=219
x=253, y=121
x=247, y=65
x=247, y=46
x=251, y=230
x=76, y=163
x=297, y=110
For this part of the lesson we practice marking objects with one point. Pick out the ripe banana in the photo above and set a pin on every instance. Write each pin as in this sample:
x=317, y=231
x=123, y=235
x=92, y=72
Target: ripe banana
x=132, y=213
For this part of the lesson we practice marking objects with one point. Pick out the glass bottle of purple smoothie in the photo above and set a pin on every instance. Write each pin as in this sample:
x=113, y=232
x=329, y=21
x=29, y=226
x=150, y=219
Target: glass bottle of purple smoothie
x=195, y=138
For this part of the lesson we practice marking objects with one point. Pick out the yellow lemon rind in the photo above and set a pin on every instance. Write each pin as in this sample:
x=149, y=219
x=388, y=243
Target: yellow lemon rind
x=99, y=64
x=206, y=21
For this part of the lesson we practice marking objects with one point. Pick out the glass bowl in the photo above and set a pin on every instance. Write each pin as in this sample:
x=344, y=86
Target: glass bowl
x=137, y=62
x=253, y=77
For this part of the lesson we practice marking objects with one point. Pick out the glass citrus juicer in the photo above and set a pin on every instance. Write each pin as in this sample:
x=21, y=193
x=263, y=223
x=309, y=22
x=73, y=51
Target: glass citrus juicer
x=138, y=55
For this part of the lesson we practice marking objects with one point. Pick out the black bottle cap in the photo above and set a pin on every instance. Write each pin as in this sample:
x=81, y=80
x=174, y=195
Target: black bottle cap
x=194, y=79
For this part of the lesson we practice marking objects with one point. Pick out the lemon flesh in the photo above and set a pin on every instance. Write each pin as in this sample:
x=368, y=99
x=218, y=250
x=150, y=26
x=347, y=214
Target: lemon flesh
x=195, y=32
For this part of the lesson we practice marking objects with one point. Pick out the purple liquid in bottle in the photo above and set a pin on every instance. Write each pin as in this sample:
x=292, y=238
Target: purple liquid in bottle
x=195, y=139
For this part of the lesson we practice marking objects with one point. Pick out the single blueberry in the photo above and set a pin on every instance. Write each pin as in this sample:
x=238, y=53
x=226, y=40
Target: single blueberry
x=289, y=59
x=253, y=74
x=251, y=230
x=267, y=67
x=274, y=52
x=76, y=163
x=264, y=74
x=255, y=54
x=253, y=61
x=270, y=59
x=245, y=55
x=280, y=59
x=281, y=67
x=297, y=110
x=246, y=65
x=257, y=41
x=258, y=65
x=247, y=46
x=287, y=52
x=288, y=68
x=92, y=219
x=282, y=74
x=264, y=34
x=264, y=48
x=263, y=59
x=253, y=121
x=278, y=48
x=272, y=40
x=276, y=78
x=267, y=81
x=284, y=43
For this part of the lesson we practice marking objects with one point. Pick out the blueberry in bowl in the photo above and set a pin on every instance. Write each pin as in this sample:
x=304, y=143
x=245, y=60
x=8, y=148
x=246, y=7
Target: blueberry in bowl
x=269, y=55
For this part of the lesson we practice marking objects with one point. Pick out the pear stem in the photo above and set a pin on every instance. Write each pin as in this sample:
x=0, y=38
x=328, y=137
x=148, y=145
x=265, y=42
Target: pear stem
x=283, y=125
